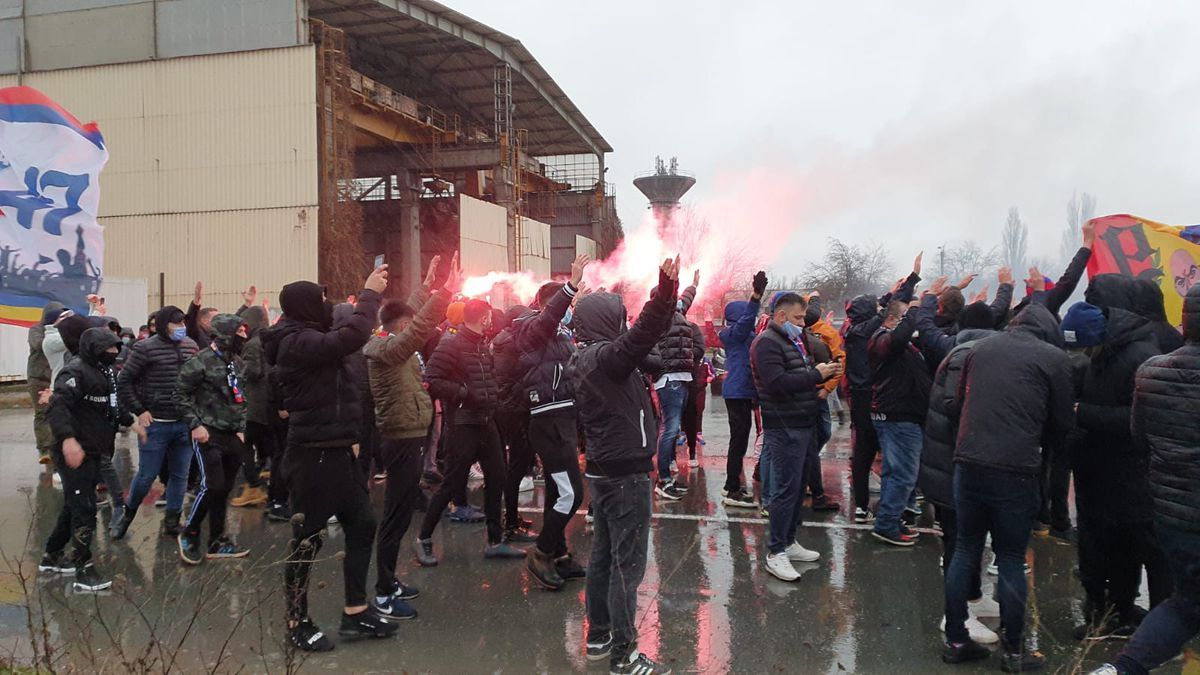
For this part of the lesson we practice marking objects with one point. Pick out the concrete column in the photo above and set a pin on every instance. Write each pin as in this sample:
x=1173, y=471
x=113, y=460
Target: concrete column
x=408, y=270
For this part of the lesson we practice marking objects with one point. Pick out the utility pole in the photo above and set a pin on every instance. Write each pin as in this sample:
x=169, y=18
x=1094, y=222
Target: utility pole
x=942, y=260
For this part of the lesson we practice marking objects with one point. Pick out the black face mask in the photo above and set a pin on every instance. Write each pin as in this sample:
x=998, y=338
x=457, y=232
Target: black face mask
x=106, y=358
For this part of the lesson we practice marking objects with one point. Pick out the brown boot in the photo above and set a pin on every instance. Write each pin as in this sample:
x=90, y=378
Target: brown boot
x=251, y=496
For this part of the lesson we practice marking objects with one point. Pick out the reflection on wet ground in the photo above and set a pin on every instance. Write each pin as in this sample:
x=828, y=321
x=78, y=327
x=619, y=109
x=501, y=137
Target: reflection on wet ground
x=706, y=605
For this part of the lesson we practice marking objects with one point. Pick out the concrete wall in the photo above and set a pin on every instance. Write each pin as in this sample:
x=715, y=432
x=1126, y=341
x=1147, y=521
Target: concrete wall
x=75, y=33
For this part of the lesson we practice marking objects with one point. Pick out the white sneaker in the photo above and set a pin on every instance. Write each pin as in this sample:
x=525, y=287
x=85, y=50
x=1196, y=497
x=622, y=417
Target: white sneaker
x=1106, y=669
x=56, y=480
x=476, y=472
x=978, y=632
x=797, y=553
x=984, y=607
x=781, y=568
x=994, y=569
x=693, y=463
x=527, y=484
x=873, y=483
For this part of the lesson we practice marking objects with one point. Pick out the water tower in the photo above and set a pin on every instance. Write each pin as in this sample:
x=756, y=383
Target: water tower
x=663, y=188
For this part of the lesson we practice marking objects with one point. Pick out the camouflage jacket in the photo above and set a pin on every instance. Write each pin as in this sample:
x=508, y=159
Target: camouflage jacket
x=206, y=395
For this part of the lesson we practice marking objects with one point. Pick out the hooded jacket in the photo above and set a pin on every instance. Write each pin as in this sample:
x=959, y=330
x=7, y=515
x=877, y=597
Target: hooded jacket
x=255, y=371
x=1139, y=296
x=900, y=380
x=147, y=381
x=308, y=357
x=736, y=337
x=1166, y=426
x=545, y=348
x=209, y=392
x=462, y=375
x=864, y=317
x=1015, y=395
x=786, y=380
x=37, y=369
x=677, y=350
x=506, y=359
x=84, y=405
x=615, y=410
x=1111, y=478
x=936, y=478
x=355, y=365
x=403, y=408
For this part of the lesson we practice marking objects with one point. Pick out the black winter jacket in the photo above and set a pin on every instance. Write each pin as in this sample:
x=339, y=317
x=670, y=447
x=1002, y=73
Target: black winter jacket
x=255, y=371
x=545, y=348
x=613, y=403
x=1166, y=425
x=461, y=374
x=864, y=317
x=84, y=405
x=308, y=359
x=147, y=381
x=676, y=349
x=786, y=380
x=937, y=341
x=1015, y=395
x=1111, y=477
x=900, y=380
x=506, y=363
x=936, y=477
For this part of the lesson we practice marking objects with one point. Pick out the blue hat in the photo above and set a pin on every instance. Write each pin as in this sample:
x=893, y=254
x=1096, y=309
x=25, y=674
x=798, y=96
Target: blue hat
x=1083, y=326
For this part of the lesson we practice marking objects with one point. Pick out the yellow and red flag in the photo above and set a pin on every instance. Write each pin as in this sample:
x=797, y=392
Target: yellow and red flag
x=1168, y=255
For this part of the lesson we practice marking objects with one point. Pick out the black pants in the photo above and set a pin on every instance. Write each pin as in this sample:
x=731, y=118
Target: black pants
x=368, y=443
x=259, y=447
x=1111, y=557
x=741, y=418
x=692, y=422
x=514, y=433
x=277, y=491
x=401, y=458
x=465, y=445
x=77, y=517
x=324, y=482
x=949, y=521
x=554, y=438
x=866, y=447
x=621, y=506
x=1056, y=486
x=219, y=460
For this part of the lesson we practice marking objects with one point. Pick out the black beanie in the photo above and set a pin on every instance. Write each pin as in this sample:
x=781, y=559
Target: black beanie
x=977, y=315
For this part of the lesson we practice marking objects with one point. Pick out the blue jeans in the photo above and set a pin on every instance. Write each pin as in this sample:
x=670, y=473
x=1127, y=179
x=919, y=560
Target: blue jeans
x=1176, y=620
x=901, y=444
x=788, y=453
x=165, y=441
x=1005, y=504
x=671, y=398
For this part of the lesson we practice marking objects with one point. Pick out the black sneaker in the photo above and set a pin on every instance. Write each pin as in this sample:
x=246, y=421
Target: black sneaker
x=569, y=569
x=1022, y=662
x=600, y=649
x=899, y=539
x=424, y=549
x=307, y=637
x=519, y=524
x=56, y=563
x=639, y=664
x=520, y=536
x=224, y=548
x=823, y=503
x=962, y=653
x=118, y=516
x=863, y=516
x=366, y=624
x=668, y=490
x=909, y=532
x=403, y=591
x=542, y=568
x=739, y=499
x=279, y=512
x=88, y=580
x=503, y=551
x=118, y=531
x=189, y=549
x=392, y=608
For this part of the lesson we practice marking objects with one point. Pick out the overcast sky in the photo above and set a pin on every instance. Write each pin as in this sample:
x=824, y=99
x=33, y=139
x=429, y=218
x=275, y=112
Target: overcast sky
x=908, y=123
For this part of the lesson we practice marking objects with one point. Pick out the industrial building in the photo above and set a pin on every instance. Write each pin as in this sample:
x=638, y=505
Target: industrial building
x=263, y=141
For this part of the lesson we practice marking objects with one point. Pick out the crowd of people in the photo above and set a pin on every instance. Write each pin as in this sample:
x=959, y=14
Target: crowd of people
x=982, y=410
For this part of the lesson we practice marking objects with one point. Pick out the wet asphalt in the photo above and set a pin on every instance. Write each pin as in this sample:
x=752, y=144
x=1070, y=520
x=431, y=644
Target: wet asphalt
x=707, y=605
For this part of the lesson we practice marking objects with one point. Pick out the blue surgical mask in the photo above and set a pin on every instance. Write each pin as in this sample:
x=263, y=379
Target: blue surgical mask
x=566, y=320
x=178, y=334
x=793, y=331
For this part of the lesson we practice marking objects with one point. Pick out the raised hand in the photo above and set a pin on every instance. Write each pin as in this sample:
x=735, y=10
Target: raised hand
x=577, y=268
x=198, y=295
x=966, y=281
x=378, y=279
x=938, y=286
x=1005, y=275
x=1089, y=233
x=760, y=283
x=431, y=273
x=454, y=279
x=917, y=263
x=1036, y=281
x=669, y=269
x=250, y=295
x=696, y=278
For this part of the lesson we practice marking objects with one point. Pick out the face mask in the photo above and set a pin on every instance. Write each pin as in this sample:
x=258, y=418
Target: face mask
x=566, y=320
x=178, y=334
x=793, y=331
x=679, y=305
x=106, y=358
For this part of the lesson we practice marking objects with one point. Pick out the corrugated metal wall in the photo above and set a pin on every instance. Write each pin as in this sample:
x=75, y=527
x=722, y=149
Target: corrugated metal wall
x=535, y=247
x=483, y=231
x=212, y=172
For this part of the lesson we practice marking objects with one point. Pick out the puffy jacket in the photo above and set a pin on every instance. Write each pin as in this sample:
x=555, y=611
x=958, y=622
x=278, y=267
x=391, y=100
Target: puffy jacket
x=736, y=337
x=677, y=349
x=936, y=477
x=1015, y=394
x=545, y=348
x=205, y=395
x=147, y=381
x=616, y=412
x=863, y=320
x=1111, y=478
x=900, y=380
x=786, y=380
x=308, y=358
x=461, y=374
x=37, y=369
x=506, y=360
x=84, y=405
x=1166, y=425
x=403, y=408
x=255, y=370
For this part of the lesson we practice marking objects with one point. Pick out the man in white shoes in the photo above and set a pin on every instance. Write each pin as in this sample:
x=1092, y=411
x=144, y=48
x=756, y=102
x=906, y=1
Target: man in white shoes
x=787, y=384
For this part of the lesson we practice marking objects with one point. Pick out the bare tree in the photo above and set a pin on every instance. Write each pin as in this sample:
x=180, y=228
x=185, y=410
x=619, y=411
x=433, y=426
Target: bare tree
x=1079, y=211
x=968, y=258
x=847, y=270
x=1014, y=240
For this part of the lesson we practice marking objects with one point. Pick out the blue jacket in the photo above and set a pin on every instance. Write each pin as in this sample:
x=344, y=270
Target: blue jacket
x=736, y=337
